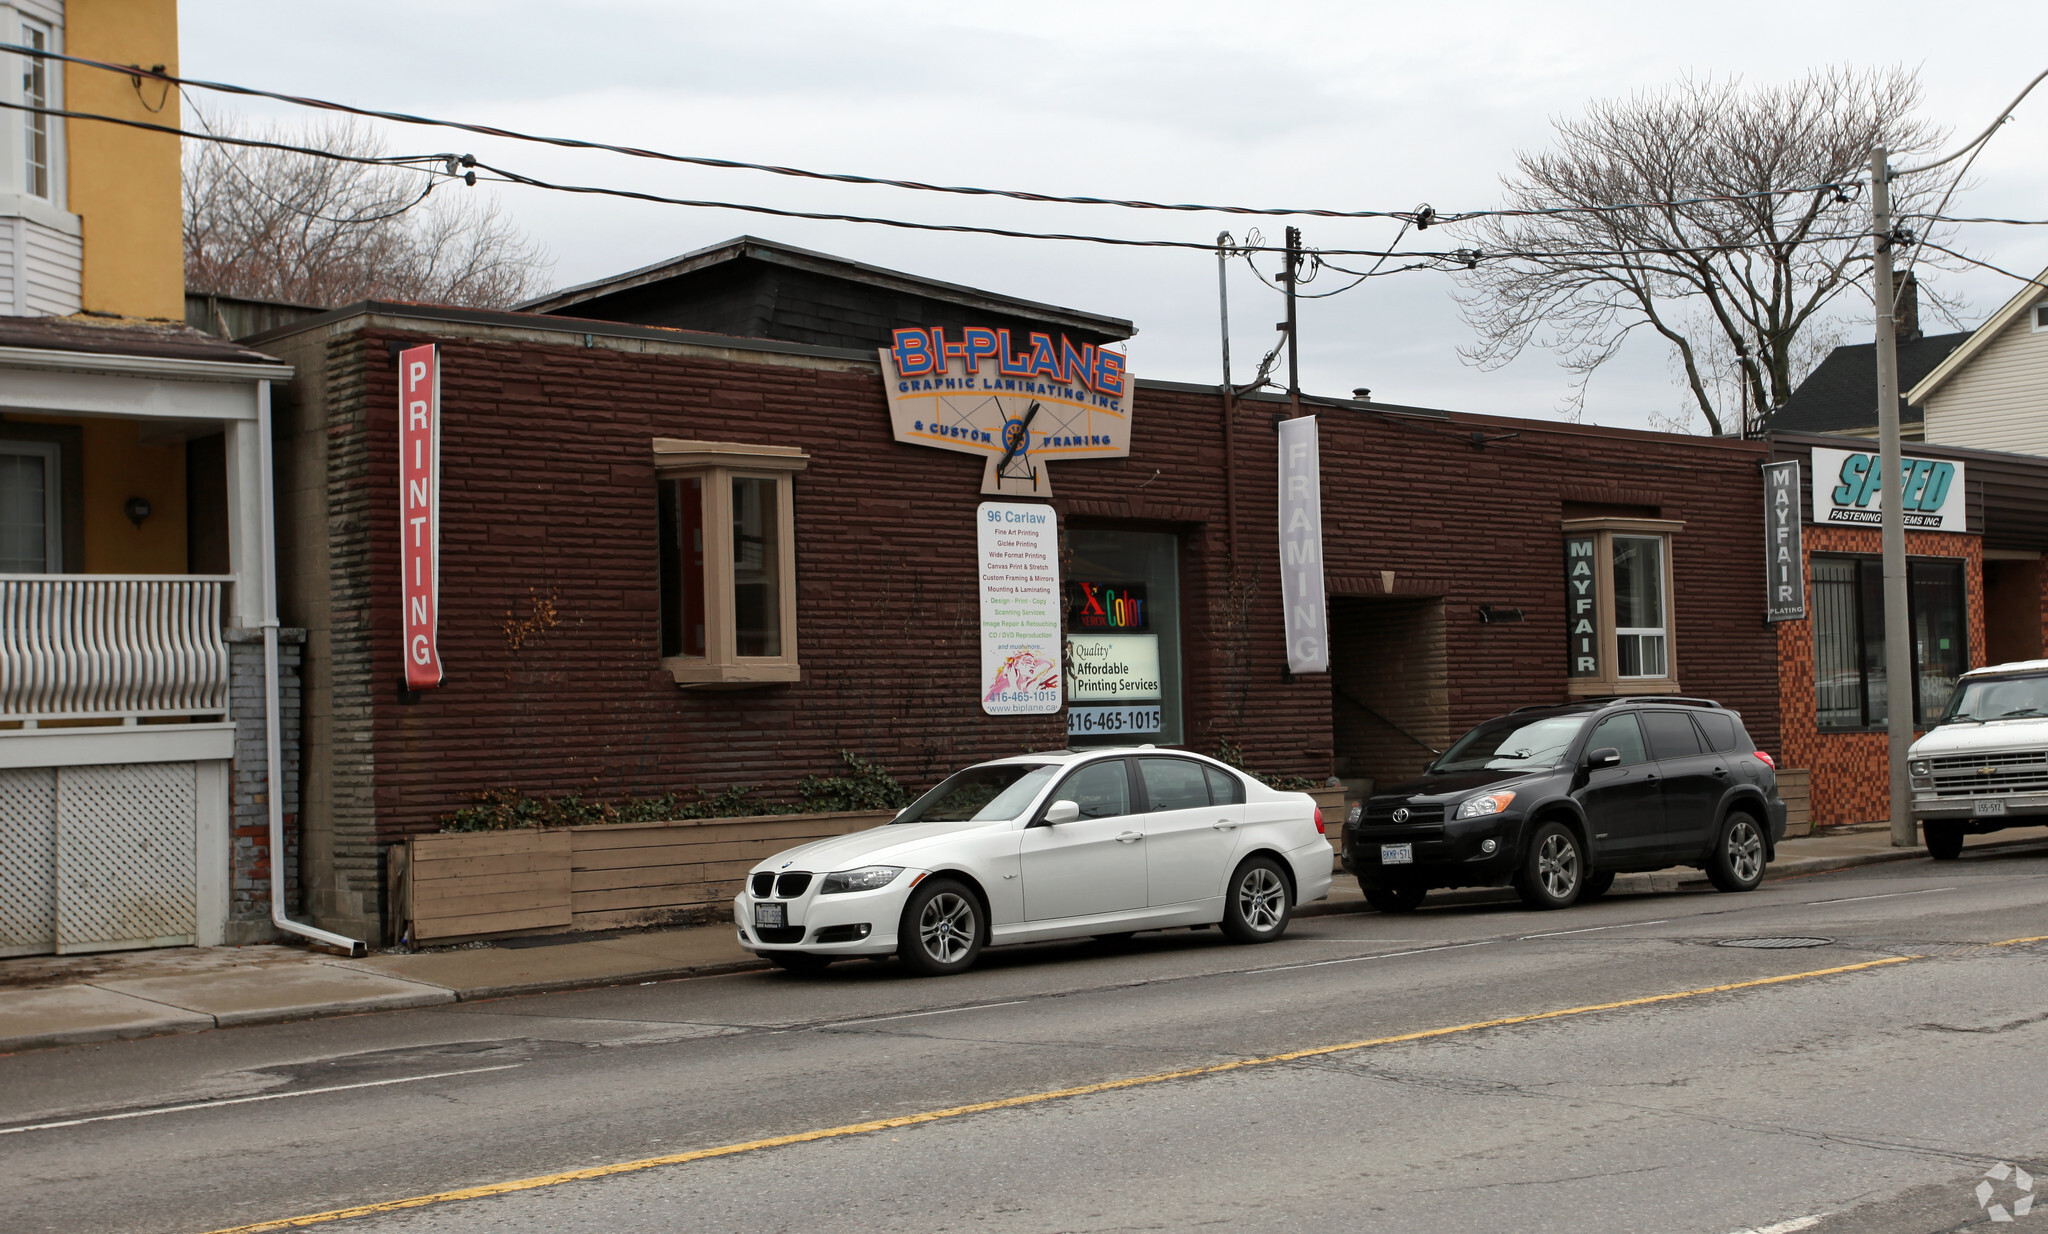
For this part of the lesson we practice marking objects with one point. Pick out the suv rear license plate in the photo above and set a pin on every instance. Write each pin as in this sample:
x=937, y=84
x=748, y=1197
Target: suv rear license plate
x=770, y=916
x=1982, y=808
x=1397, y=854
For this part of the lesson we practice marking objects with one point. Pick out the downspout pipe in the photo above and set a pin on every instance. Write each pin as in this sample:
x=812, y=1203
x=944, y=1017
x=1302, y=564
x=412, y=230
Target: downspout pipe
x=273, y=706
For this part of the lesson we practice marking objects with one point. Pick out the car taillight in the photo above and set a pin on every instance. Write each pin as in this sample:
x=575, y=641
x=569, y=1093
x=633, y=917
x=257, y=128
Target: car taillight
x=1319, y=822
x=1767, y=760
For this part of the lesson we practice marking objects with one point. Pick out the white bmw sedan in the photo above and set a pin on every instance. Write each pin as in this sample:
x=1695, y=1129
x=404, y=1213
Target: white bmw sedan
x=1064, y=844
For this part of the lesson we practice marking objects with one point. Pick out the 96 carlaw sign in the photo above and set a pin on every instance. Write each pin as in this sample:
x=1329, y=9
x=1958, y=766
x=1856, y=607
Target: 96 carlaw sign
x=419, y=527
x=1847, y=484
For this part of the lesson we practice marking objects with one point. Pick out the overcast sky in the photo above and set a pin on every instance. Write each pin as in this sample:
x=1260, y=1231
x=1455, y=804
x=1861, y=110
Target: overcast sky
x=1345, y=105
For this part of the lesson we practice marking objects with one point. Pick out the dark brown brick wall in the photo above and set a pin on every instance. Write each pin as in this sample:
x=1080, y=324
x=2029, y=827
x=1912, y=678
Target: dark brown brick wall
x=548, y=494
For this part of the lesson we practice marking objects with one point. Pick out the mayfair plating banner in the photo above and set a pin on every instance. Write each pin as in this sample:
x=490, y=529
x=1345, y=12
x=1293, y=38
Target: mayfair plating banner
x=419, y=527
x=1020, y=608
x=1017, y=407
x=1784, y=546
x=1301, y=547
x=1846, y=491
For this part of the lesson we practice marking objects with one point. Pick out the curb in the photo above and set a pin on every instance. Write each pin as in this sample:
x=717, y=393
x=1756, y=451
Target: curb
x=560, y=984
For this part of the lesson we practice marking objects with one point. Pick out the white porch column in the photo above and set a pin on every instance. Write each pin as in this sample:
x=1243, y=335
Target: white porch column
x=251, y=557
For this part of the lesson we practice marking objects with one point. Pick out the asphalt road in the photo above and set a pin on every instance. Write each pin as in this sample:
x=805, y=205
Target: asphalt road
x=1869, y=1099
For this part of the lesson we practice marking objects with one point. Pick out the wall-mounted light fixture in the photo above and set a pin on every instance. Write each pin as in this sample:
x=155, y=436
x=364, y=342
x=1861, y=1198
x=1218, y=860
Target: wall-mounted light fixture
x=137, y=509
x=1489, y=615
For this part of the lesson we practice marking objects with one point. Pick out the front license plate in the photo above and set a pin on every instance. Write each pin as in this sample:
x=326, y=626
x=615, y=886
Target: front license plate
x=1982, y=808
x=769, y=916
x=1397, y=854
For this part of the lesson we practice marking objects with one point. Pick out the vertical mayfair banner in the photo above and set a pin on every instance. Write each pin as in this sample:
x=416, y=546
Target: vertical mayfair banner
x=1582, y=604
x=1301, y=547
x=1020, y=608
x=1784, y=555
x=419, y=481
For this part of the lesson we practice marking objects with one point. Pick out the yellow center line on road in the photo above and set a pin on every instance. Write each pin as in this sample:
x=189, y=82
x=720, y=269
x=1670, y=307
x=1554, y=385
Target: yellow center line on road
x=1007, y=1103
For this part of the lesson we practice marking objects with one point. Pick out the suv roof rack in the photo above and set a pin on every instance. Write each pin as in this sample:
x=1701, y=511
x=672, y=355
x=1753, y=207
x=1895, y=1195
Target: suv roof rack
x=1605, y=699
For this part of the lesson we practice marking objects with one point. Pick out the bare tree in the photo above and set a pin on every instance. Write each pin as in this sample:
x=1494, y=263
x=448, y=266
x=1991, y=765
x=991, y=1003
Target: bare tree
x=277, y=225
x=1771, y=231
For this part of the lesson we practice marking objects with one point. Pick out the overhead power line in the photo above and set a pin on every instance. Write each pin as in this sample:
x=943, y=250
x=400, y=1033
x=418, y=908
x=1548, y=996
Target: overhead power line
x=1422, y=216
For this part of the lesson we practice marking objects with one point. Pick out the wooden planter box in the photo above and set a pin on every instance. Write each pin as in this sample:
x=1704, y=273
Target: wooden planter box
x=463, y=885
x=1796, y=787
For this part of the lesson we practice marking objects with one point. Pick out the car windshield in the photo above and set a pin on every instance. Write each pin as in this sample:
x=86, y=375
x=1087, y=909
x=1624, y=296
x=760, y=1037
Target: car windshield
x=981, y=794
x=1997, y=698
x=1512, y=744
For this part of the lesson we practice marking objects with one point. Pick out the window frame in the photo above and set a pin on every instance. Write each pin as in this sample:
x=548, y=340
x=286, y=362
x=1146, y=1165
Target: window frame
x=52, y=454
x=1609, y=681
x=718, y=464
x=2039, y=317
x=1861, y=621
x=52, y=133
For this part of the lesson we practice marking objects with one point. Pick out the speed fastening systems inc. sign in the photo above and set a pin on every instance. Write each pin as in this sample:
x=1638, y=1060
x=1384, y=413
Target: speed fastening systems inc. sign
x=1847, y=483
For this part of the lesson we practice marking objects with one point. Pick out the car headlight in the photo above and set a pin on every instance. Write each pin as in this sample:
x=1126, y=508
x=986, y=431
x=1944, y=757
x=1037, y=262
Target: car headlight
x=1479, y=807
x=1919, y=767
x=867, y=878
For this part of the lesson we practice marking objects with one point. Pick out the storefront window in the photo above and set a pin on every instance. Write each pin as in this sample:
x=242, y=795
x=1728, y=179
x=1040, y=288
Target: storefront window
x=1639, y=606
x=727, y=561
x=1848, y=639
x=1123, y=637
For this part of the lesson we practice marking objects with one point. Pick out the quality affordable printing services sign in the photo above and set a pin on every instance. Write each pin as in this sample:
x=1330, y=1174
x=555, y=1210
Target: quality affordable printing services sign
x=1847, y=489
x=1019, y=403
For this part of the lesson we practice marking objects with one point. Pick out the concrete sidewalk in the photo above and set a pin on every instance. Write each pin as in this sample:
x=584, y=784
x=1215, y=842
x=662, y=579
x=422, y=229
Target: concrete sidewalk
x=70, y=1000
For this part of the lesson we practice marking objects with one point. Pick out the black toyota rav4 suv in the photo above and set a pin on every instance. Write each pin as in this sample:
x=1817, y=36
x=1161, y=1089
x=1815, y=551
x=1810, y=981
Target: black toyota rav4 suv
x=1556, y=800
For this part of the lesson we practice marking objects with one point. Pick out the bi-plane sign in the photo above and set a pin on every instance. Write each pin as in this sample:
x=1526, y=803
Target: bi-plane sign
x=1019, y=403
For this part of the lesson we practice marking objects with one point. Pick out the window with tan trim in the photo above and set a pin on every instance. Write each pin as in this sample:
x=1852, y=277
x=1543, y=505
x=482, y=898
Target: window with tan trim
x=727, y=538
x=1618, y=609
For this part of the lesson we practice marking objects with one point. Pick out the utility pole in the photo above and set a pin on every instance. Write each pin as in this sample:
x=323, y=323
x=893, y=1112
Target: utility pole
x=1293, y=276
x=1898, y=651
x=1223, y=247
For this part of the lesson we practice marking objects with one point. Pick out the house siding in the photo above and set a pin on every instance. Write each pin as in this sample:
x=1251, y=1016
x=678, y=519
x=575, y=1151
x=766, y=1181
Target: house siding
x=1999, y=400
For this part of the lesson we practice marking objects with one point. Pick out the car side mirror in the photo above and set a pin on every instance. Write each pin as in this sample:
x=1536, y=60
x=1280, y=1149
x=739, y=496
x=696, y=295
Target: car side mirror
x=1605, y=756
x=1062, y=812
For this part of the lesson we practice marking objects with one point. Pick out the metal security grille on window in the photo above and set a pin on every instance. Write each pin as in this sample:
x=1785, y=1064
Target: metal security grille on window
x=1639, y=606
x=1848, y=639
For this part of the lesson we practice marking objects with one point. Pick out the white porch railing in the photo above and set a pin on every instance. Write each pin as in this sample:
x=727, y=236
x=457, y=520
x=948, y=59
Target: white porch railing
x=112, y=646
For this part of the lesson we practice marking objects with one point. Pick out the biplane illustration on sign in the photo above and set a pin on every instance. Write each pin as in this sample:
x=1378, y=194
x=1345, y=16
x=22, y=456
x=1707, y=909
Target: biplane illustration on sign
x=1018, y=404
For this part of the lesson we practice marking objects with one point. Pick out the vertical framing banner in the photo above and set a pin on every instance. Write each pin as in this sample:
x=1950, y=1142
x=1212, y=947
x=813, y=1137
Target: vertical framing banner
x=1301, y=547
x=419, y=482
x=1784, y=544
x=1020, y=608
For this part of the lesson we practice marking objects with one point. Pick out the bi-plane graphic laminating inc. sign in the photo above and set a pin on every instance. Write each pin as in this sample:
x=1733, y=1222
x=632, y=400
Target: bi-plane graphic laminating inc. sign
x=1019, y=403
x=1846, y=486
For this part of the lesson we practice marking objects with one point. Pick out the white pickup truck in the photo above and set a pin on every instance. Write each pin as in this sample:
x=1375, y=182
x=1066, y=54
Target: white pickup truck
x=1984, y=766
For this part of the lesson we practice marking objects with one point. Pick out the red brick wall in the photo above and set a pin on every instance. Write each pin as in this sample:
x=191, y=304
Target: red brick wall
x=549, y=492
x=1851, y=770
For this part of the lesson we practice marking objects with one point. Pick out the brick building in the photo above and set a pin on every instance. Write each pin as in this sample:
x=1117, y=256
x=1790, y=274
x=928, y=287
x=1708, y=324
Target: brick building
x=572, y=450
x=1975, y=595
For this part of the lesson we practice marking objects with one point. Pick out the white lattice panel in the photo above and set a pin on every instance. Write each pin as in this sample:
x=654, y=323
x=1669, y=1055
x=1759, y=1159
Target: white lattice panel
x=28, y=861
x=127, y=864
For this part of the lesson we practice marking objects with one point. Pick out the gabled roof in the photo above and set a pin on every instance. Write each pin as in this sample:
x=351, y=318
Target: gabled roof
x=120, y=336
x=1979, y=339
x=743, y=248
x=1840, y=394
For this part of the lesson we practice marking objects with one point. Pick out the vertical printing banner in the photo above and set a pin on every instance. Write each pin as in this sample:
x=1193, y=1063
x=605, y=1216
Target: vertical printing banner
x=1301, y=547
x=1020, y=608
x=1784, y=557
x=419, y=480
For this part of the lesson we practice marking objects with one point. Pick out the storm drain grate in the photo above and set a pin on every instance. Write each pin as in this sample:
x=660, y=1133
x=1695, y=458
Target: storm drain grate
x=1774, y=944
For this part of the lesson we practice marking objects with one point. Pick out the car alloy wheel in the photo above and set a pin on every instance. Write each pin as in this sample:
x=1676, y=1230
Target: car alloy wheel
x=941, y=930
x=946, y=927
x=1553, y=868
x=1738, y=860
x=1259, y=904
